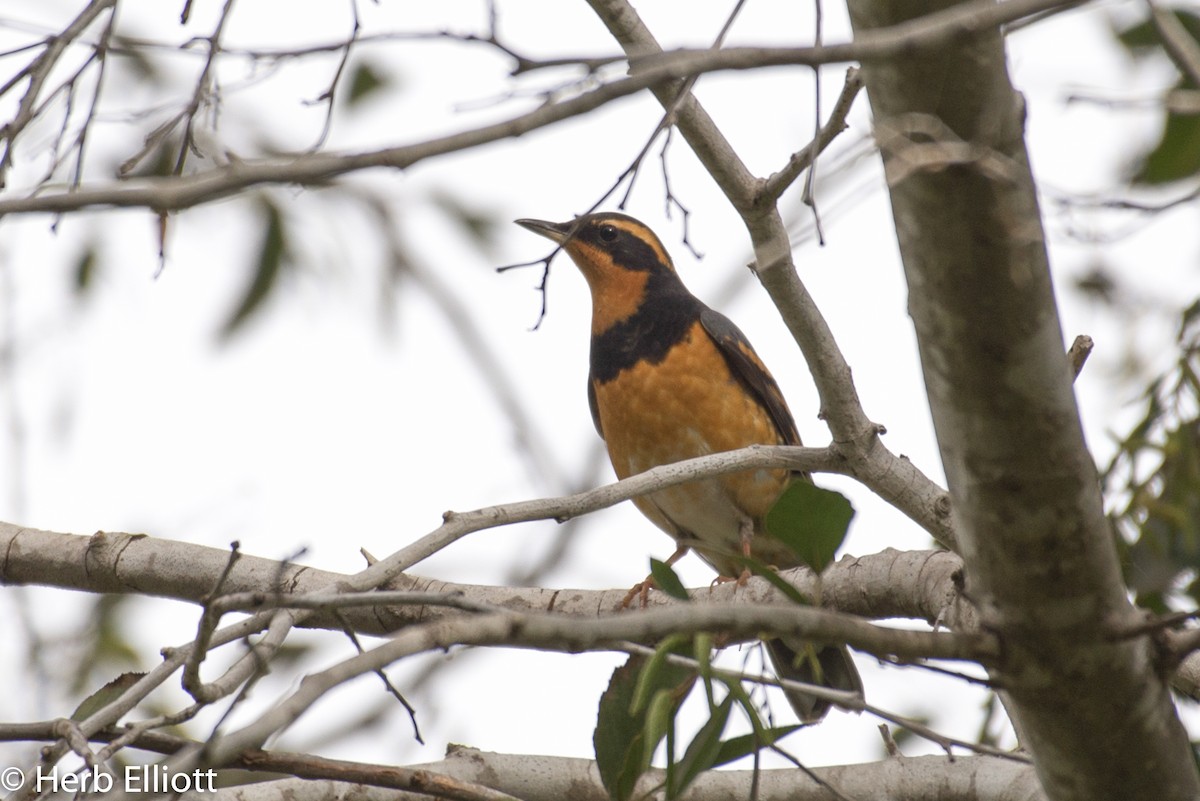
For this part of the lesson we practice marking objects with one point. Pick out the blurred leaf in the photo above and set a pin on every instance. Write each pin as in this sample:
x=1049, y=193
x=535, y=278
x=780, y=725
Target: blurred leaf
x=105, y=696
x=158, y=162
x=272, y=253
x=627, y=733
x=129, y=52
x=364, y=82
x=105, y=642
x=1142, y=38
x=1098, y=283
x=480, y=226
x=1170, y=534
x=702, y=752
x=1156, y=470
x=902, y=735
x=667, y=580
x=85, y=269
x=811, y=521
x=1176, y=156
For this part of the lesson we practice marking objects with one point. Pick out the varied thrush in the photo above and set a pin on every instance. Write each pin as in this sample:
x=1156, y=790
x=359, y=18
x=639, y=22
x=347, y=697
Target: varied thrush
x=672, y=379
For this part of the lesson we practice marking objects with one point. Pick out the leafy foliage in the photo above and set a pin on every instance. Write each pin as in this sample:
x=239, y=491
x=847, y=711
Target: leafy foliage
x=1176, y=156
x=636, y=712
x=1159, y=523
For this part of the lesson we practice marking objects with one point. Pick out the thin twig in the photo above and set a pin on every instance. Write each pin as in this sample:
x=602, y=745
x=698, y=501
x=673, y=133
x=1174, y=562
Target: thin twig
x=774, y=186
x=209, y=620
x=38, y=72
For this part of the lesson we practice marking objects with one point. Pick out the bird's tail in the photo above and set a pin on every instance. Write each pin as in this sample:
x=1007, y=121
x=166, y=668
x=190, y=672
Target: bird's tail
x=826, y=665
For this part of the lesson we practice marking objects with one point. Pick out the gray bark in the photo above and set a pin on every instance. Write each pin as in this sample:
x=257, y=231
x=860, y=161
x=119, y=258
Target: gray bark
x=1092, y=706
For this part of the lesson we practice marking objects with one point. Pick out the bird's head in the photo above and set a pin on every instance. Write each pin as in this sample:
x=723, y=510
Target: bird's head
x=618, y=256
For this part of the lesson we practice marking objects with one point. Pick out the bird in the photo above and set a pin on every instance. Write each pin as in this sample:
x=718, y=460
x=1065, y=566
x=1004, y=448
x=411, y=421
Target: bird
x=672, y=379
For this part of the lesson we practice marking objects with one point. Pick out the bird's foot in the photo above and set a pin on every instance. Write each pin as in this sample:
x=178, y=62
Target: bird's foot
x=739, y=580
x=640, y=590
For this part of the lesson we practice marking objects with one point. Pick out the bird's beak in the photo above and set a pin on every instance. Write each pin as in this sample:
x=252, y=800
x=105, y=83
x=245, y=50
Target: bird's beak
x=555, y=232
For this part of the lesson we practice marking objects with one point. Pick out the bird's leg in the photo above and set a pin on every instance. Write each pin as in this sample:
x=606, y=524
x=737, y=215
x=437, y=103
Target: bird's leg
x=642, y=588
x=746, y=534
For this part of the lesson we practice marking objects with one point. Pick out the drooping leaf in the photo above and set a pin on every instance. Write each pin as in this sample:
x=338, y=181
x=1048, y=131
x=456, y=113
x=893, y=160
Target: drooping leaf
x=657, y=672
x=105, y=696
x=272, y=255
x=635, y=713
x=735, y=748
x=765, y=571
x=811, y=521
x=702, y=752
x=667, y=580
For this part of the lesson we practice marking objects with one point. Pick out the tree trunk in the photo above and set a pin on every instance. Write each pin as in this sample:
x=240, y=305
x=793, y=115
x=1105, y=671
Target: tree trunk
x=1093, y=709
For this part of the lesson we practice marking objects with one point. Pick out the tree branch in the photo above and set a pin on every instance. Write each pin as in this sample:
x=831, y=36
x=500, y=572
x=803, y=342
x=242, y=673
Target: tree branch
x=924, y=585
x=315, y=169
x=534, y=778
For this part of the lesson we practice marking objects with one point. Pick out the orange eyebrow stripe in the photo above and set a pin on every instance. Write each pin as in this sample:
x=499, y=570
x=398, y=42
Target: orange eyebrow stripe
x=646, y=235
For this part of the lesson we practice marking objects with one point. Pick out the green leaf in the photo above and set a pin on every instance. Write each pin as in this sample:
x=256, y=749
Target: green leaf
x=659, y=723
x=735, y=748
x=636, y=710
x=105, y=696
x=667, y=580
x=658, y=673
x=702, y=752
x=364, y=82
x=1177, y=154
x=85, y=270
x=765, y=571
x=811, y=521
x=272, y=253
x=1142, y=38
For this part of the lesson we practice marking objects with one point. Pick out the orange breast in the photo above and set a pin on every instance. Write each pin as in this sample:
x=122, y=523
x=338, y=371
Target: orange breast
x=688, y=405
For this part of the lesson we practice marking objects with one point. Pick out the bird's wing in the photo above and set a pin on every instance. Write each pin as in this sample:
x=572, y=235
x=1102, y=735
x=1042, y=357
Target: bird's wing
x=744, y=363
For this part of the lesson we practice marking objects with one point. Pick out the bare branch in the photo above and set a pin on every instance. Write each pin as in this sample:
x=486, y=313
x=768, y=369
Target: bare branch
x=174, y=193
x=777, y=184
x=38, y=73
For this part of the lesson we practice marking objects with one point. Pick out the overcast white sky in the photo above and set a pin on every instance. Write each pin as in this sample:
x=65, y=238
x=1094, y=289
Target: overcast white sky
x=325, y=426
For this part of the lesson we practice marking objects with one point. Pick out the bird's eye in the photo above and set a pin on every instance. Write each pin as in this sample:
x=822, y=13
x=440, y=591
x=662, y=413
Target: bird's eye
x=608, y=233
